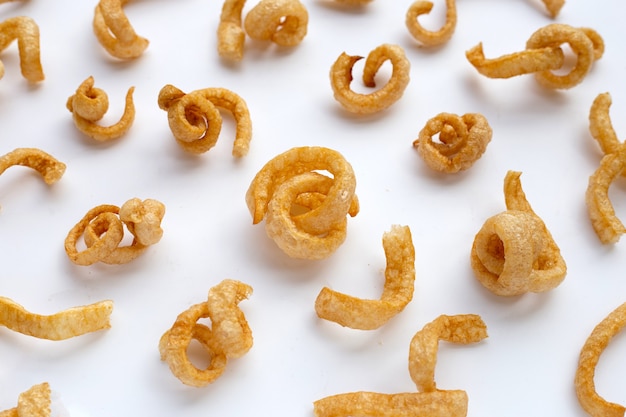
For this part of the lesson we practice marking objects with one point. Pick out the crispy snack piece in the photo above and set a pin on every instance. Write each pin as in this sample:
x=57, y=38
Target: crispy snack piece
x=288, y=181
x=341, y=77
x=598, y=340
x=462, y=141
x=34, y=402
x=283, y=22
x=553, y=6
x=63, y=325
x=514, y=253
x=90, y=104
x=230, y=34
x=543, y=55
x=45, y=164
x=26, y=31
x=114, y=31
x=229, y=336
x=196, y=122
x=426, y=37
x=358, y=313
x=103, y=230
x=605, y=222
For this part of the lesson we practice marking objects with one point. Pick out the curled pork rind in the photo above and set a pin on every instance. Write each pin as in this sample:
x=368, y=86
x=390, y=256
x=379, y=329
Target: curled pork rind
x=283, y=22
x=553, y=6
x=89, y=104
x=514, y=253
x=382, y=98
x=605, y=222
x=228, y=337
x=63, y=325
x=292, y=179
x=598, y=340
x=543, y=55
x=230, y=34
x=426, y=37
x=114, y=31
x=195, y=120
x=34, y=402
x=26, y=31
x=358, y=313
x=102, y=229
x=45, y=164
x=462, y=141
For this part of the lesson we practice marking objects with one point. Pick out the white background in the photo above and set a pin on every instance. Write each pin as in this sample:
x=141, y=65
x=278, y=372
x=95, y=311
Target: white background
x=526, y=366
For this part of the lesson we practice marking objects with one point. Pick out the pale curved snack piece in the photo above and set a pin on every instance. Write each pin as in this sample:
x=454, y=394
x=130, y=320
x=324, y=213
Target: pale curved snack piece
x=363, y=314
x=230, y=34
x=598, y=340
x=284, y=22
x=34, y=402
x=380, y=99
x=115, y=32
x=45, y=164
x=26, y=31
x=426, y=37
x=65, y=324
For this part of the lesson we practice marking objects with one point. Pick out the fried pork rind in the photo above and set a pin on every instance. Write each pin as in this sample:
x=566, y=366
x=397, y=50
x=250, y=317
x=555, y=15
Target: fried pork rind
x=26, y=31
x=45, y=164
x=63, y=325
x=462, y=141
x=90, y=104
x=514, y=253
x=598, y=340
x=426, y=37
x=230, y=34
x=354, y=2
x=283, y=22
x=543, y=55
x=358, y=313
x=195, y=120
x=289, y=180
x=553, y=6
x=102, y=229
x=228, y=337
x=114, y=31
x=605, y=222
x=34, y=402
x=392, y=91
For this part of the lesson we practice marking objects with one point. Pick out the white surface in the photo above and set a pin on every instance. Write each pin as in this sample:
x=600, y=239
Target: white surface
x=525, y=367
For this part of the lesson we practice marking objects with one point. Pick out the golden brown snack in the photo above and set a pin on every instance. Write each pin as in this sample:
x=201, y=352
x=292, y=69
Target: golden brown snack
x=26, y=31
x=230, y=34
x=114, y=31
x=65, y=324
x=462, y=141
x=45, y=164
x=288, y=181
x=606, y=224
x=102, y=229
x=426, y=37
x=514, y=253
x=553, y=6
x=341, y=77
x=34, y=402
x=228, y=337
x=358, y=313
x=283, y=22
x=598, y=340
x=89, y=104
x=196, y=122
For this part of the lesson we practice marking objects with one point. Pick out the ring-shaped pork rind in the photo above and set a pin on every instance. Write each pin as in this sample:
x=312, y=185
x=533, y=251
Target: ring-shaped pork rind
x=426, y=37
x=26, y=31
x=283, y=22
x=358, y=313
x=114, y=31
x=229, y=336
x=598, y=340
x=195, y=120
x=90, y=104
x=45, y=164
x=606, y=224
x=514, y=253
x=34, y=402
x=462, y=141
x=65, y=324
x=382, y=98
x=287, y=180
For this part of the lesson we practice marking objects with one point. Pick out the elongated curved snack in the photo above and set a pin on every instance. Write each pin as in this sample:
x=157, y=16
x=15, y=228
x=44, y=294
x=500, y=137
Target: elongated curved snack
x=89, y=104
x=228, y=337
x=543, y=55
x=462, y=141
x=50, y=168
x=230, y=34
x=102, y=229
x=63, y=325
x=26, y=31
x=514, y=253
x=606, y=224
x=114, y=31
x=598, y=340
x=392, y=91
x=34, y=402
x=289, y=180
x=358, y=313
x=195, y=120
x=283, y=22
x=426, y=37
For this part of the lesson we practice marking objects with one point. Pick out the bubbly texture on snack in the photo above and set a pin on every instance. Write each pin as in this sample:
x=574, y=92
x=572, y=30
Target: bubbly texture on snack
x=429, y=38
x=34, y=402
x=26, y=31
x=115, y=32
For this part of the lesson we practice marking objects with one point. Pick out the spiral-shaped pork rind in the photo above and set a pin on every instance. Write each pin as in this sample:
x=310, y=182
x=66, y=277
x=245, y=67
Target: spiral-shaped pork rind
x=26, y=31
x=114, y=31
x=426, y=37
x=284, y=22
x=45, y=164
